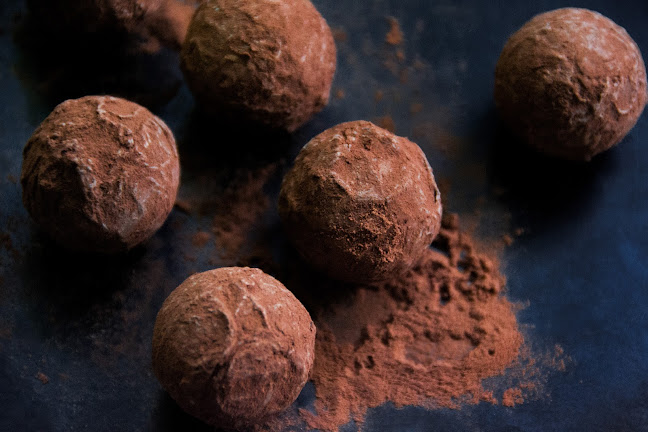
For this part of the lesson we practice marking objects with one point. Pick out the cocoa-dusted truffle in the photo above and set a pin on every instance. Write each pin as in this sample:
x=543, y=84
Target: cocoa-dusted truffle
x=269, y=62
x=360, y=203
x=571, y=83
x=233, y=346
x=100, y=174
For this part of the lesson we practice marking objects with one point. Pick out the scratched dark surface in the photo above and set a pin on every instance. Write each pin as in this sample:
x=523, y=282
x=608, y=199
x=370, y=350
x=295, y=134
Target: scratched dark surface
x=581, y=268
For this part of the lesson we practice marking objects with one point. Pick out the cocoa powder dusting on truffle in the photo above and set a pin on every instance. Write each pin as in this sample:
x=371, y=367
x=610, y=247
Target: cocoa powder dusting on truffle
x=427, y=339
x=264, y=62
x=571, y=83
x=100, y=174
x=232, y=346
x=360, y=203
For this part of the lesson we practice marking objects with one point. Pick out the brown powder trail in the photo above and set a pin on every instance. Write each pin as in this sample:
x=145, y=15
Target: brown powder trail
x=240, y=209
x=428, y=339
x=395, y=35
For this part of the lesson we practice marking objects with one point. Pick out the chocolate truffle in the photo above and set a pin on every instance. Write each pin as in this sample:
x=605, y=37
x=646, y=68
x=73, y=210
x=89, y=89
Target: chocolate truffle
x=360, y=203
x=570, y=83
x=100, y=174
x=269, y=62
x=232, y=346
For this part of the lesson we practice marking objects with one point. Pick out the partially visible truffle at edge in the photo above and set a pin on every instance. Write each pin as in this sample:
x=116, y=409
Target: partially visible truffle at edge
x=100, y=174
x=268, y=62
x=571, y=83
x=360, y=203
x=233, y=346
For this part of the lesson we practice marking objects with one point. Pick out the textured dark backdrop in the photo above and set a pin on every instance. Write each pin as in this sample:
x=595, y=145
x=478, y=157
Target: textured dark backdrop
x=581, y=268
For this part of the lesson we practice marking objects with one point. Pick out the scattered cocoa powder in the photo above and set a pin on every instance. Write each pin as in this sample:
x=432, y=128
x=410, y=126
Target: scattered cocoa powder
x=7, y=244
x=395, y=35
x=443, y=140
x=419, y=65
x=12, y=178
x=6, y=328
x=428, y=339
x=200, y=239
x=339, y=94
x=416, y=108
x=339, y=34
x=40, y=376
x=403, y=76
x=386, y=122
x=240, y=208
x=512, y=397
x=184, y=206
x=379, y=95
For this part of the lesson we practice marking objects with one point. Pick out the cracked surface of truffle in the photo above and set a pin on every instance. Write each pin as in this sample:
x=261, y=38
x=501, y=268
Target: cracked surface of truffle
x=571, y=83
x=269, y=62
x=232, y=346
x=360, y=203
x=100, y=174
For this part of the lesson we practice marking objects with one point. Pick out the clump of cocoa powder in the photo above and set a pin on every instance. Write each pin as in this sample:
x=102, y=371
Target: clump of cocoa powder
x=395, y=35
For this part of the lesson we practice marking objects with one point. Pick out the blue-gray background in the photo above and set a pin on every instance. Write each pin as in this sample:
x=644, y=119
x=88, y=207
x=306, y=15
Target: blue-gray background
x=581, y=268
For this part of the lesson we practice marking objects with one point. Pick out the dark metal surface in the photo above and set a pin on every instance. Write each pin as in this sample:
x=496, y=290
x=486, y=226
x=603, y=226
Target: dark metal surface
x=582, y=267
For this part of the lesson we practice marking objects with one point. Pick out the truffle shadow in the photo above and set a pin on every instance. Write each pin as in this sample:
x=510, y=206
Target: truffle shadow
x=208, y=142
x=544, y=190
x=214, y=154
x=317, y=292
x=169, y=417
x=65, y=63
x=64, y=288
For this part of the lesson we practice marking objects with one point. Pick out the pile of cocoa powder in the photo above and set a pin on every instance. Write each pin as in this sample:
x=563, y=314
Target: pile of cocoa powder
x=430, y=339
x=427, y=339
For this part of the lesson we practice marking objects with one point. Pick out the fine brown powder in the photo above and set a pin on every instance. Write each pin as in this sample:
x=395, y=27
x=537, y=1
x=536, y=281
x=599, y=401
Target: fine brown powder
x=240, y=209
x=395, y=35
x=428, y=339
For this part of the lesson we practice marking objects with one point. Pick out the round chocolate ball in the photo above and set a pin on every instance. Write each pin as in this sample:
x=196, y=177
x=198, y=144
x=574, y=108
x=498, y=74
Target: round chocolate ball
x=269, y=62
x=100, y=174
x=570, y=83
x=232, y=346
x=360, y=203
